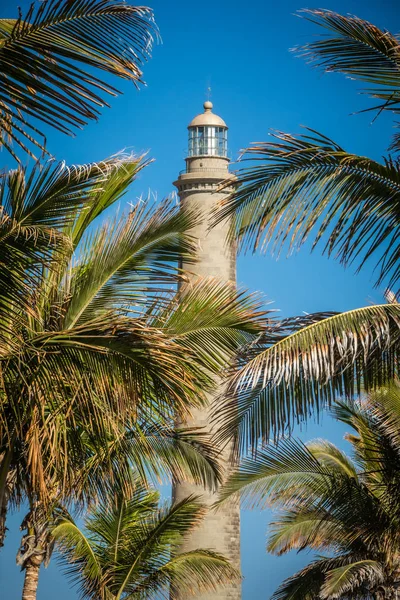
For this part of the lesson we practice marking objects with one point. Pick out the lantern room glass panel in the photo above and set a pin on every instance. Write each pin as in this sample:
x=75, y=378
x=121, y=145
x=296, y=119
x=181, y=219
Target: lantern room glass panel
x=208, y=141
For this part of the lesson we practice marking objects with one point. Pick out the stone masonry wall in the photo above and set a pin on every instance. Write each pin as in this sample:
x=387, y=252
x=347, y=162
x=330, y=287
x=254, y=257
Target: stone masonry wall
x=220, y=530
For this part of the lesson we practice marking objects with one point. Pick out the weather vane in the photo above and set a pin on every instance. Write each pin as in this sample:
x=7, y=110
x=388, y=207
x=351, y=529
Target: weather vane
x=208, y=93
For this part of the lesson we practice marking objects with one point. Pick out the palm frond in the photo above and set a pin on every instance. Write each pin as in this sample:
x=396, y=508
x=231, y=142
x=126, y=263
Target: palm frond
x=132, y=540
x=150, y=452
x=310, y=528
x=165, y=530
x=115, y=183
x=76, y=548
x=329, y=503
x=377, y=445
x=395, y=145
x=276, y=473
x=213, y=320
x=303, y=585
x=87, y=385
x=302, y=184
x=117, y=383
x=51, y=194
x=84, y=386
x=144, y=361
x=199, y=571
x=128, y=550
x=129, y=258
x=63, y=43
x=358, y=49
x=285, y=381
x=332, y=457
x=375, y=421
x=36, y=209
x=23, y=252
x=385, y=406
x=344, y=579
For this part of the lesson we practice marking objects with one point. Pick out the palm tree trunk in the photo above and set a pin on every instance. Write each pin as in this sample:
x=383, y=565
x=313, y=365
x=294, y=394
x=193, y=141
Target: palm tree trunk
x=4, y=489
x=3, y=516
x=4, y=499
x=36, y=547
x=31, y=580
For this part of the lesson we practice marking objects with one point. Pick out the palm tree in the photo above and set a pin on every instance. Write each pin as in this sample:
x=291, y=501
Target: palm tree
x=127, y=549
x=97, y=356
x=65, y=43
x=140, y=454
x=94, y=375
x=143, y=453
x=298, y=186
x=347, y=508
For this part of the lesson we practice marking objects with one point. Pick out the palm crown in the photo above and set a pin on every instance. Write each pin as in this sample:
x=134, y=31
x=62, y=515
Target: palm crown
x=97, y=354
x=348, y=508
x=127, y=550
x=295, y=187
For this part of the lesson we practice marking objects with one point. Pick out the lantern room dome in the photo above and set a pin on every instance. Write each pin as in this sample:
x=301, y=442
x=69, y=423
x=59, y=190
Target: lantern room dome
x=207, y=118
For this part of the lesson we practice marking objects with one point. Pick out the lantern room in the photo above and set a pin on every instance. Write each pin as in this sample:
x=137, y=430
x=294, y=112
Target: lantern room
x=208, y=134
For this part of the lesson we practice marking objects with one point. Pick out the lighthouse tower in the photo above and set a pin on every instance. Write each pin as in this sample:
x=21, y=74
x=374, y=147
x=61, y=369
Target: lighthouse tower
x=206, y=166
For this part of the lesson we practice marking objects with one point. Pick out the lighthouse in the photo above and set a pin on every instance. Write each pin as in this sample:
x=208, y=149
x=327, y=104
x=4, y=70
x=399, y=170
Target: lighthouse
x=198, y=186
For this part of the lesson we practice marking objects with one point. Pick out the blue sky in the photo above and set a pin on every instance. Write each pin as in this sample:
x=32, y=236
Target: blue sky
x=257, y=85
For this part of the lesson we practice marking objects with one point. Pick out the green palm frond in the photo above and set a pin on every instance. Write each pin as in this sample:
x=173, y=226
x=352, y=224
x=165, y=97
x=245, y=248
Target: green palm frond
x=115, y=183
x=306, y=583
x=161, y=531
x=213, y=320
x=344, y=579
x=38, y=208
x=140, y=356
x=199, y=571
x=64, y=43
x=23, y=252
x=129, y=258
x=51, y=194
x=94, y=383
x=286, y=380
x=375, y=421
x=358, y=49
x=131, y=541
x=327, y=502
x=306, y=185
x=377, y=444
x=299, y=530
x=149, y=451
x=277, y=473
x=332, y=457
x=35, y=207
x=385, y=407
x=72, y=542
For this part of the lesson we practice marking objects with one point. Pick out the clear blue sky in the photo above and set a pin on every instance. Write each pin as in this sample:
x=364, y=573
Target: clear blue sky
x=257, y=84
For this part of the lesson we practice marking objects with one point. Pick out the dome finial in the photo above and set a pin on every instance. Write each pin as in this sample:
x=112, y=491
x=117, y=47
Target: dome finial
x=207, y=106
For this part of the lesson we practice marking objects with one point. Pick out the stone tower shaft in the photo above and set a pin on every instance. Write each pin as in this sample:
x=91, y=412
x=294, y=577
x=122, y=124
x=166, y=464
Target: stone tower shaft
x=206, y=166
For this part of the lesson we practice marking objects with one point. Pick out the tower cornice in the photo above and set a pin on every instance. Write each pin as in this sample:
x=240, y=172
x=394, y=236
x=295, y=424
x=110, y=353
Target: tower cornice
x=204, y=179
